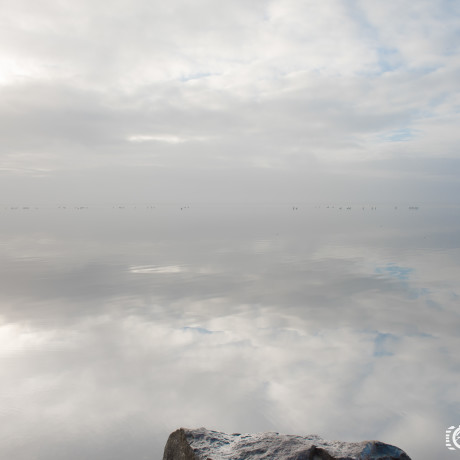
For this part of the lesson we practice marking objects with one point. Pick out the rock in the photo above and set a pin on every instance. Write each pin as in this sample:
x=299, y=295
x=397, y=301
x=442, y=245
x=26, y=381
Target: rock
x=203, y=444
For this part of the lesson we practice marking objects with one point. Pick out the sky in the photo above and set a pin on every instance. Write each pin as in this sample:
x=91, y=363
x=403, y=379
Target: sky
x=249, y=100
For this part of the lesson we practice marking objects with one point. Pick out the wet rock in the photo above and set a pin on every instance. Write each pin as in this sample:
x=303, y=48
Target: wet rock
x=203, y=444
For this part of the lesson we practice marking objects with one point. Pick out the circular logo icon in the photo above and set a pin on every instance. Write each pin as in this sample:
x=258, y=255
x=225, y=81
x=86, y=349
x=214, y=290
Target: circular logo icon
x=453, y=438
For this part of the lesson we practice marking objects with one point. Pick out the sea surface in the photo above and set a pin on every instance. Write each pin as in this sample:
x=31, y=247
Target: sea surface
x=119, y=324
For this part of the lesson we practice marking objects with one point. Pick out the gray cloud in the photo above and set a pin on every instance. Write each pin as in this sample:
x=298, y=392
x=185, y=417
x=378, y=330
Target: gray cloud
x=108, y=90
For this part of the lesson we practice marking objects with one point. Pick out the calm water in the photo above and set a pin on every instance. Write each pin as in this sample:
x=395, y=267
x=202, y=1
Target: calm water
x=118, y=326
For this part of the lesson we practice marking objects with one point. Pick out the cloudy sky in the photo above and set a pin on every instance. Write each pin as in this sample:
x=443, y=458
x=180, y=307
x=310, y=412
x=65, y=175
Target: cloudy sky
x=278, y=100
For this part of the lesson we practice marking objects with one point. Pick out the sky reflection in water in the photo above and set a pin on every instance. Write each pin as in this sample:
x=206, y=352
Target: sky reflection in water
x=120, y=325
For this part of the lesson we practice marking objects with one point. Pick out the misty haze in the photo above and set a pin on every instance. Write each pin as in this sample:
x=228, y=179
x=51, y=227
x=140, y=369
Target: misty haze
x=242, y=215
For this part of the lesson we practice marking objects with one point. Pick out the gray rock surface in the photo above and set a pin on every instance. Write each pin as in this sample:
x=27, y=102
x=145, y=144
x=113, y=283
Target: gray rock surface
x=203, y=444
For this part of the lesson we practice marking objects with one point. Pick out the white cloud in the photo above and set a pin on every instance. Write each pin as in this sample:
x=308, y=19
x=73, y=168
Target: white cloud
x=154, y=269
x=168, y=138
x=276, y=85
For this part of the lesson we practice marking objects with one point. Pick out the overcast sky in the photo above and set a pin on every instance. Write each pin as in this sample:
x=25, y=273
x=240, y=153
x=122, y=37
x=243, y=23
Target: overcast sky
x=242, y=100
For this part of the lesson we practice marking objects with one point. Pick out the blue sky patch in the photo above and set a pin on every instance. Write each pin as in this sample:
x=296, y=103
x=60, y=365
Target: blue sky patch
x=395, y=271
x=196, y=76
x=398, y=135
x=383, y=343
x=201, y=330
x=389, y=59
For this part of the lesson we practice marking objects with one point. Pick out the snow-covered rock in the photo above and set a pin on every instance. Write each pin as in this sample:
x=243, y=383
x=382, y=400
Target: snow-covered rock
x=203, y=444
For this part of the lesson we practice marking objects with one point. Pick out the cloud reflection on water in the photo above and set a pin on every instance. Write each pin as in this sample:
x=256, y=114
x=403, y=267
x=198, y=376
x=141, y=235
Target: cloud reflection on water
x=115, y=332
